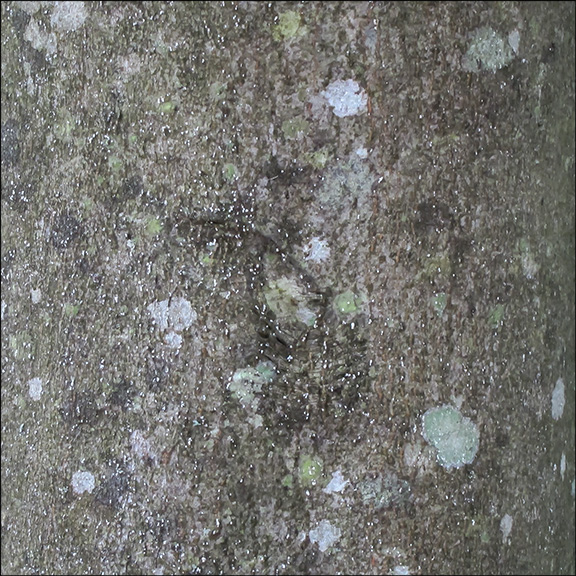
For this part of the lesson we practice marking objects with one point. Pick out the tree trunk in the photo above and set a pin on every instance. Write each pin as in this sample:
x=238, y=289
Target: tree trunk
x=287, y=287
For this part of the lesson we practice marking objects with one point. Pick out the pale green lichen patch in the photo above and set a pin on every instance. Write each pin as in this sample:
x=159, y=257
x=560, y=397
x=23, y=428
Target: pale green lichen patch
x=295, y=127
x=454, y=436
x=439, y=303
x=496, y=316
x=21, y=345
x=246, y=384
x=310, y=470
x=289, y=26
x=229, y=172
x=288, y=481
x=347, y=302
x=318, y=159
x=153, y=227
x=166, y=107
x=217, y=91
x=115, y=163
x=71, y=310
x=437, y=267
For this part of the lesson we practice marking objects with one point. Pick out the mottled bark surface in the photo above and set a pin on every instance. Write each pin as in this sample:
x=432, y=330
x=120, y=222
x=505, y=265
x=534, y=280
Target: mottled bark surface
x=226, y=305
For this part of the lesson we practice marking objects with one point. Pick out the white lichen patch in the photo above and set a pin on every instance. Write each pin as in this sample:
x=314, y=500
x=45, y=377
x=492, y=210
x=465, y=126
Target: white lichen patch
x=141, y=446
x=558, y=399
x=401, y=570
x=325, y=535
x=175, y=314
x=337, y=484
x=506, y=527
x=346, y=97
x=35, y=388
x=83, y=482
x=39, y=38
x=68, y=16
x=30, y=7
x=316, y=250
x=173, y=340
x=36, y=295
x=514, y=40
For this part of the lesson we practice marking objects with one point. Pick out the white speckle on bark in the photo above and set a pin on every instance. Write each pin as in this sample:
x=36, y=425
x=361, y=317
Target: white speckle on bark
x=401, y=570
x=39, y=38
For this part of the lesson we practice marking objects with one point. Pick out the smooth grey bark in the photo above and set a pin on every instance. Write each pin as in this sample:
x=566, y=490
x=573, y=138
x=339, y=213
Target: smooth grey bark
x=226, y=307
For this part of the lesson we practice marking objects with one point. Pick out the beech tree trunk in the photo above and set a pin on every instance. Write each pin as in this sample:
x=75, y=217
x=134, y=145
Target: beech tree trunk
x=246, y=247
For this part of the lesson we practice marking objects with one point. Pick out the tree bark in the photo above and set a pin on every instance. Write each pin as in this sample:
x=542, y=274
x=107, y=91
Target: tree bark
x=247, y=246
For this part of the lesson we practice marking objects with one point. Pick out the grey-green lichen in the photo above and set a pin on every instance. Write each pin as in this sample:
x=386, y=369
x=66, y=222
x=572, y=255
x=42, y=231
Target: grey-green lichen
x=246, y=386
x=454, y=436
x=384, y=491
x=289, y=301
x=488, y=51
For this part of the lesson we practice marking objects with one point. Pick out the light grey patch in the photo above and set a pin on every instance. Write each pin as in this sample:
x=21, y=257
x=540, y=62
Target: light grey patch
x=35, y=388
x=83, y=482
x=68, y=16
x=558, y=399
x=175, y=314
x=346, y=97
x=325, y=535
